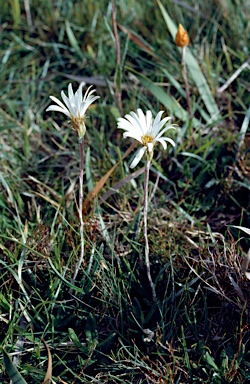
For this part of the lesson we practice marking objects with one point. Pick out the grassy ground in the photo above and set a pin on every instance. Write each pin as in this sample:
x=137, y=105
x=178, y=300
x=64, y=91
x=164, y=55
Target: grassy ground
x=105, y=328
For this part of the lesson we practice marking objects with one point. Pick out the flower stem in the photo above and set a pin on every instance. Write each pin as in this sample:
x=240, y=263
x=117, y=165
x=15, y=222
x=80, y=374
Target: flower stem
x=184, y=74
x=79, y=263
x=145, y=227
x=118, y=73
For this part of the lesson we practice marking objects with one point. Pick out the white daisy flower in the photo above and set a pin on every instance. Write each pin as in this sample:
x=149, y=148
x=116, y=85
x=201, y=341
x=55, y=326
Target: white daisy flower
x=75, y=107
x=146, y=130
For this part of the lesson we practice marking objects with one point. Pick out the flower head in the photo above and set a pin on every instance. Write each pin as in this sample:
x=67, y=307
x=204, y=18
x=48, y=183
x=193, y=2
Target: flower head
x=181, y=38
x=75, y=107
x=146, y=130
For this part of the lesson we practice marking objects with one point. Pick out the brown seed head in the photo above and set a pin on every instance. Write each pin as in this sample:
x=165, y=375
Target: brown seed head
x=181, y=38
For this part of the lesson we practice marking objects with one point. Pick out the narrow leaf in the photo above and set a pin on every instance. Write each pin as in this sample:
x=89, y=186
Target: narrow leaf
x=48, y=375
x=72, y=286
x=89, y=178
x=120, y=184
x=91, y=333
x=91, y=195
x=139, y=41
x=170, y=103
x=76, y=341
x=12, y=371
x=244, y=229
x=210, y=361
x=244, y=128
x=72, y=39
x=193, y=155
x=194, y=70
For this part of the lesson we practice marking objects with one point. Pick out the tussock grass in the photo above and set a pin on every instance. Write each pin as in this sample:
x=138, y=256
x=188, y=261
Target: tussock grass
x=104, y=328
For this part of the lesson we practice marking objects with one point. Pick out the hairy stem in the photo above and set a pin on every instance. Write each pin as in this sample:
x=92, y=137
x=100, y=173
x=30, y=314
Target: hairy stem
x=145, y=227
x=118, y=59
x=79, y=263
x=184, y=74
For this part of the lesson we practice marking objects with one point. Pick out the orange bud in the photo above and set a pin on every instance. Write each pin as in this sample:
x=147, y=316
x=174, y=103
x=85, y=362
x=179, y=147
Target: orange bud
x=181, y=38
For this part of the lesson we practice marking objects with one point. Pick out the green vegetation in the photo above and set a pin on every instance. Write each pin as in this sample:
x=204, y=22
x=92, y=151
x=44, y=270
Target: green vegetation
x=104, y=327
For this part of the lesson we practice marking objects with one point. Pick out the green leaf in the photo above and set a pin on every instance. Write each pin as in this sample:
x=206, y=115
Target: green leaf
x=12, y=371
x=16, y=11
x=89, y=178
x=193, y=155
x=91, y=333
x=107, y=340
x=244, y=128
x=4, y=302
x=170, y=103
x=194, y=70
x=224, y=361
x=72, y=286
x=77, y=342
x=210, y=361
x=72, y=39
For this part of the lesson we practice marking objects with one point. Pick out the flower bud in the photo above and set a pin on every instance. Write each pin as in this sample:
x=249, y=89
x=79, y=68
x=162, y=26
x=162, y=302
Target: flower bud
x=181, y=38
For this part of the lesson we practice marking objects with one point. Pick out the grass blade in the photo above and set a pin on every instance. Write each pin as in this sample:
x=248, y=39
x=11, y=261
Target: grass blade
x=72, y=39
x=12, y=371
x=194, y=70
x=244, y=229
x=170, y=103
x=244, y=128
x=48, y=375
x=16, y=11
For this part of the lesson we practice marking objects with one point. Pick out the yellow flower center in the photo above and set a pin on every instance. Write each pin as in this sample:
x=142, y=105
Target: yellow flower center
x=147, y=139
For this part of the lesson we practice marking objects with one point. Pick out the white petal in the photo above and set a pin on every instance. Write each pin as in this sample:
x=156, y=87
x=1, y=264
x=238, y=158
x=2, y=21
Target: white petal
x=124, y=124
x=78, y=97
x=164, y=130
x=70, y=91
x=77, y=100
x=56, y=100
x=149, y=121
x=88, y=93
x=158, y=126
x=138, y=157
x=135, y=122
x=91, y=99
x=65, y=99
x=69, y=103
x=58, y=109
x=166, y=139
x=163, y=122
x=162, y=141
x=150, y=147
x=134, y=135
x=131, y=124
x=143, y=121
x=85, y=104
x=158, y=118
x=133, y=130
